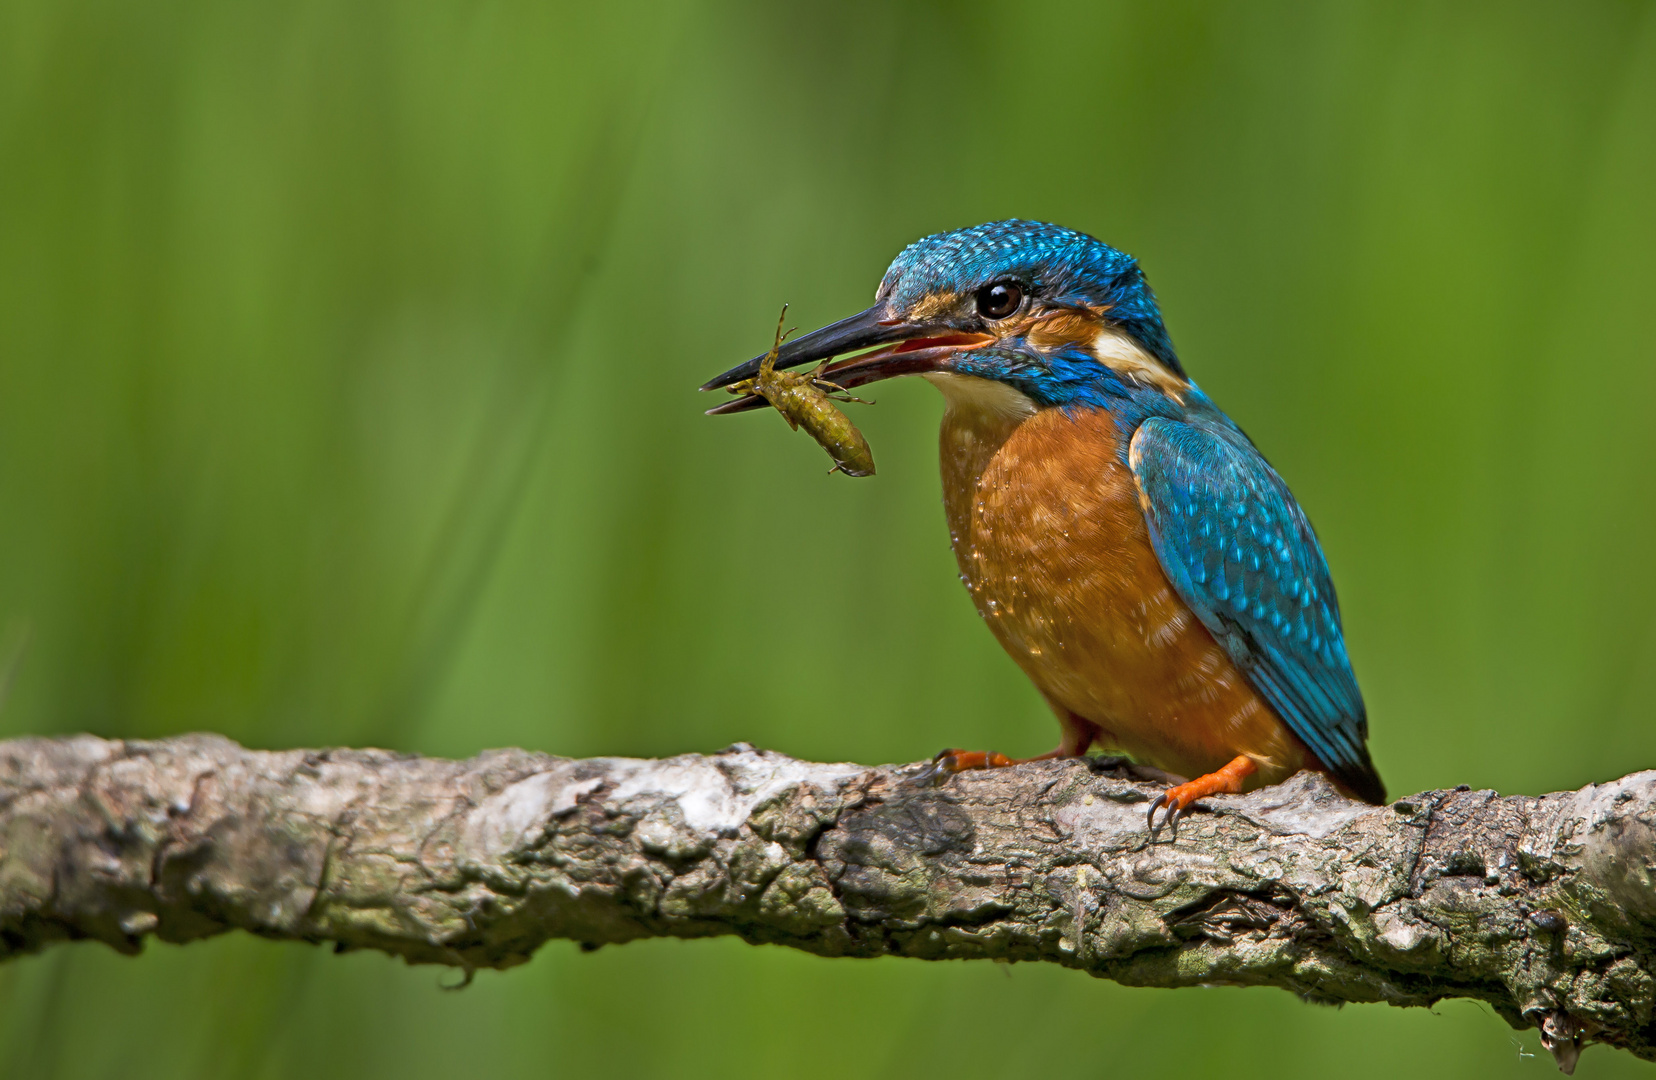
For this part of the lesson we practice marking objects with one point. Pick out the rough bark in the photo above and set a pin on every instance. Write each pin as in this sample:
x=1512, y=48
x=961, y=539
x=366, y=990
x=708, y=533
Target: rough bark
x=1543, y=907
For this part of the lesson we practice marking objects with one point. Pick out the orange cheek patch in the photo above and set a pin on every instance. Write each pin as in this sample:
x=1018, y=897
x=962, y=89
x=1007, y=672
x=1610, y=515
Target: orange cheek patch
x=1056, y=329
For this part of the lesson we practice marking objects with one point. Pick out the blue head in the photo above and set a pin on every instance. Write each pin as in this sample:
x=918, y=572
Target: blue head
x=1055, y=314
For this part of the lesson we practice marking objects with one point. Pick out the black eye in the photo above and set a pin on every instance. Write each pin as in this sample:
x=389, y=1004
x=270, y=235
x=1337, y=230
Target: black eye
x=999, y=300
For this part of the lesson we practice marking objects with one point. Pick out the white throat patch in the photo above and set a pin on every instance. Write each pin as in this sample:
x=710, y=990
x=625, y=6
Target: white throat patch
x=970, y=394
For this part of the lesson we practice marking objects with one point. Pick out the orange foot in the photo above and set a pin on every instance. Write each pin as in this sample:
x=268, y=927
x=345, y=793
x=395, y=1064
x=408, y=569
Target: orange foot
x=1224, y=781
x=948, y=762
x=959, y=761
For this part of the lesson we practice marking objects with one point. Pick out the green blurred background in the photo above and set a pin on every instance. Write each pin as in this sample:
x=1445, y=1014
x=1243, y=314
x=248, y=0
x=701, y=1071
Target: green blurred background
x=347, y=366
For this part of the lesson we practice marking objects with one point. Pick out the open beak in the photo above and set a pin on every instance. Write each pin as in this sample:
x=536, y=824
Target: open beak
x=910, y=349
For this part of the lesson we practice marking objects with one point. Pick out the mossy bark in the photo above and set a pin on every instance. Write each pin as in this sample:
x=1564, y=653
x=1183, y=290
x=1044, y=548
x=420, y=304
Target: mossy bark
x=1543, y=907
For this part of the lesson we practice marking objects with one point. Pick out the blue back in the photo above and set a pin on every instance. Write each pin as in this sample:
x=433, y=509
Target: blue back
x=1240, y=551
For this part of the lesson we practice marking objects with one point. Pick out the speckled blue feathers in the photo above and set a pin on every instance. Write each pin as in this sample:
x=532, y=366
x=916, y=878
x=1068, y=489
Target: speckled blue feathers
x=1240, y=551
x=1062, y=266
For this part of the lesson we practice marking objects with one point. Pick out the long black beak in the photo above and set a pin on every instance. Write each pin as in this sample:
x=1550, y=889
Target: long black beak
x=915, y=349
x=860, y=331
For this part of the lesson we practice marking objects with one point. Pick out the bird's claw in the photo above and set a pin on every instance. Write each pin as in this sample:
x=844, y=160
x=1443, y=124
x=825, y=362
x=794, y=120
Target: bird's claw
x=1175, y=810
x=940, y=768
x=1179, y=799
x=948, y=762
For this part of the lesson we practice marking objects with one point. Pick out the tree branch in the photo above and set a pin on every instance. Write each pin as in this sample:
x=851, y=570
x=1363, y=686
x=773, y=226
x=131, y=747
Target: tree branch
x=1543, y=907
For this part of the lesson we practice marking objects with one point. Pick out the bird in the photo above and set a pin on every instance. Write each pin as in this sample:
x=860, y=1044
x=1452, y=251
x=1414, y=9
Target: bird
x=1124, y=540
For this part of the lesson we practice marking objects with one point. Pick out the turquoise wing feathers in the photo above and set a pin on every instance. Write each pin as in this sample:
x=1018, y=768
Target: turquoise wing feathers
x=1240, y=551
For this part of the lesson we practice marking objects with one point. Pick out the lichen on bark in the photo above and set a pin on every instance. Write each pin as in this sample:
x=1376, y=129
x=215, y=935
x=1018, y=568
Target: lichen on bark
x=1543, y=907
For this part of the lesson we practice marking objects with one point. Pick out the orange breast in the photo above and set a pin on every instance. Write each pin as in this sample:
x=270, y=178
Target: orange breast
x=1051, y=540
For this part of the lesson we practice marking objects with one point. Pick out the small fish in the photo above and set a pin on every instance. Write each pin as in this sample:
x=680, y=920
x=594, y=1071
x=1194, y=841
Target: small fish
x=807, y=400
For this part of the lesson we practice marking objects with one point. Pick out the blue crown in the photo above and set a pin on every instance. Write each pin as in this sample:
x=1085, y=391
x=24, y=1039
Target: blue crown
x=1058, y=265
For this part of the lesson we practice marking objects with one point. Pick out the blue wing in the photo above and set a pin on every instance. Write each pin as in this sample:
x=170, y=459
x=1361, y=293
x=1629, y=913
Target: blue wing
x=1242, y=554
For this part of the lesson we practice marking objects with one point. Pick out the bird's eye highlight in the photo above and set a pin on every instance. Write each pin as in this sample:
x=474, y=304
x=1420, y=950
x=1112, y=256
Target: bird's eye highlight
x=999, y=300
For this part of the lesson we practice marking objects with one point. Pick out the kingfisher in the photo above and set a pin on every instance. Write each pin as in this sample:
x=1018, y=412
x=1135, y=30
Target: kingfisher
x=1126, y=543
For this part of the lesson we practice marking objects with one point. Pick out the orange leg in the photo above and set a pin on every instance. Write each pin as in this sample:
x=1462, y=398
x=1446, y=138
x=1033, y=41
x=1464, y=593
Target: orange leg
x=1079, y=734
x=1077, y=740
x=1226, y=780
x=948, y=762
x=953, y=761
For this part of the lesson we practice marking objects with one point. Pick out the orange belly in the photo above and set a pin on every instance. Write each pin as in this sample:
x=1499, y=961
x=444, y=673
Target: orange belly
x=1051, y=541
